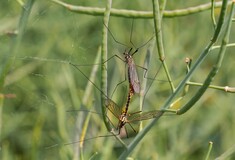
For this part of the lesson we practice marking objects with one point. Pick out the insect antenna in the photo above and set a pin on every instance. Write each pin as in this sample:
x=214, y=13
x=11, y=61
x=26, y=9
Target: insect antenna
x=137, y=48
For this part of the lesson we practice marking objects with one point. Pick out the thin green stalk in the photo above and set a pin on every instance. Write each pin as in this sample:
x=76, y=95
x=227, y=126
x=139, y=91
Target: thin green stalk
x=186, y=87
x=20, y=2
x=227, y=154
x=159, y=40
x=81, y=144
x=162, y=6
x=104, y=57
x=139, y=137
x=223, y=88
x=209, y=150
x=221, y=21
x=213, y=13
x=95, y=11
x=228, y=45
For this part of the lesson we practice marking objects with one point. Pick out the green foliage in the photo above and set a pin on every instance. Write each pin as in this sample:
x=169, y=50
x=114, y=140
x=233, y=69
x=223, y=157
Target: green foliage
x=40, y=89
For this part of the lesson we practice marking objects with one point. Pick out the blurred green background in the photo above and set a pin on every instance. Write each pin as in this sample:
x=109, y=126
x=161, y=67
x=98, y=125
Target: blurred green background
x=46, y=86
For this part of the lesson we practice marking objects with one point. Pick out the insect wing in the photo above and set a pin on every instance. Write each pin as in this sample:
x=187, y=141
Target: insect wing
x=144, y=116
x=133, y=76
x=113, y=108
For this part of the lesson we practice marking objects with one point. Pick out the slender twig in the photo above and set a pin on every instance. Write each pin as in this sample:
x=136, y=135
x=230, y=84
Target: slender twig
x=222, y=88
x=209, y=150
x=104, y=56
x=159, y=40
x=213, y=13
x=227, y=154
x=228, y=45
x=95, y=11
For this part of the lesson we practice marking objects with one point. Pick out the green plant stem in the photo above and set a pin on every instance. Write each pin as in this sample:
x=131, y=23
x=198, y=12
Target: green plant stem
x=104, y=57
x=213, y=13
x=159, y=40
x=186, y=87
x=227, y=154
x=223, y=88
x=228, y=45
x=95, y=11
x=209, y=150
x=162, y=6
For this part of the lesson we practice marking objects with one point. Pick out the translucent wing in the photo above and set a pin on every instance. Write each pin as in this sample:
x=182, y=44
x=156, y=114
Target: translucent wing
x=132, y=75
x=144, y=116
x=113, y=108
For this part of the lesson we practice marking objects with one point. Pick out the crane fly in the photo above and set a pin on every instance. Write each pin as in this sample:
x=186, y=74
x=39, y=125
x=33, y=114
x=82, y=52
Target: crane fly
x=133, y=79
x=121, y=113
x=118, y=112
